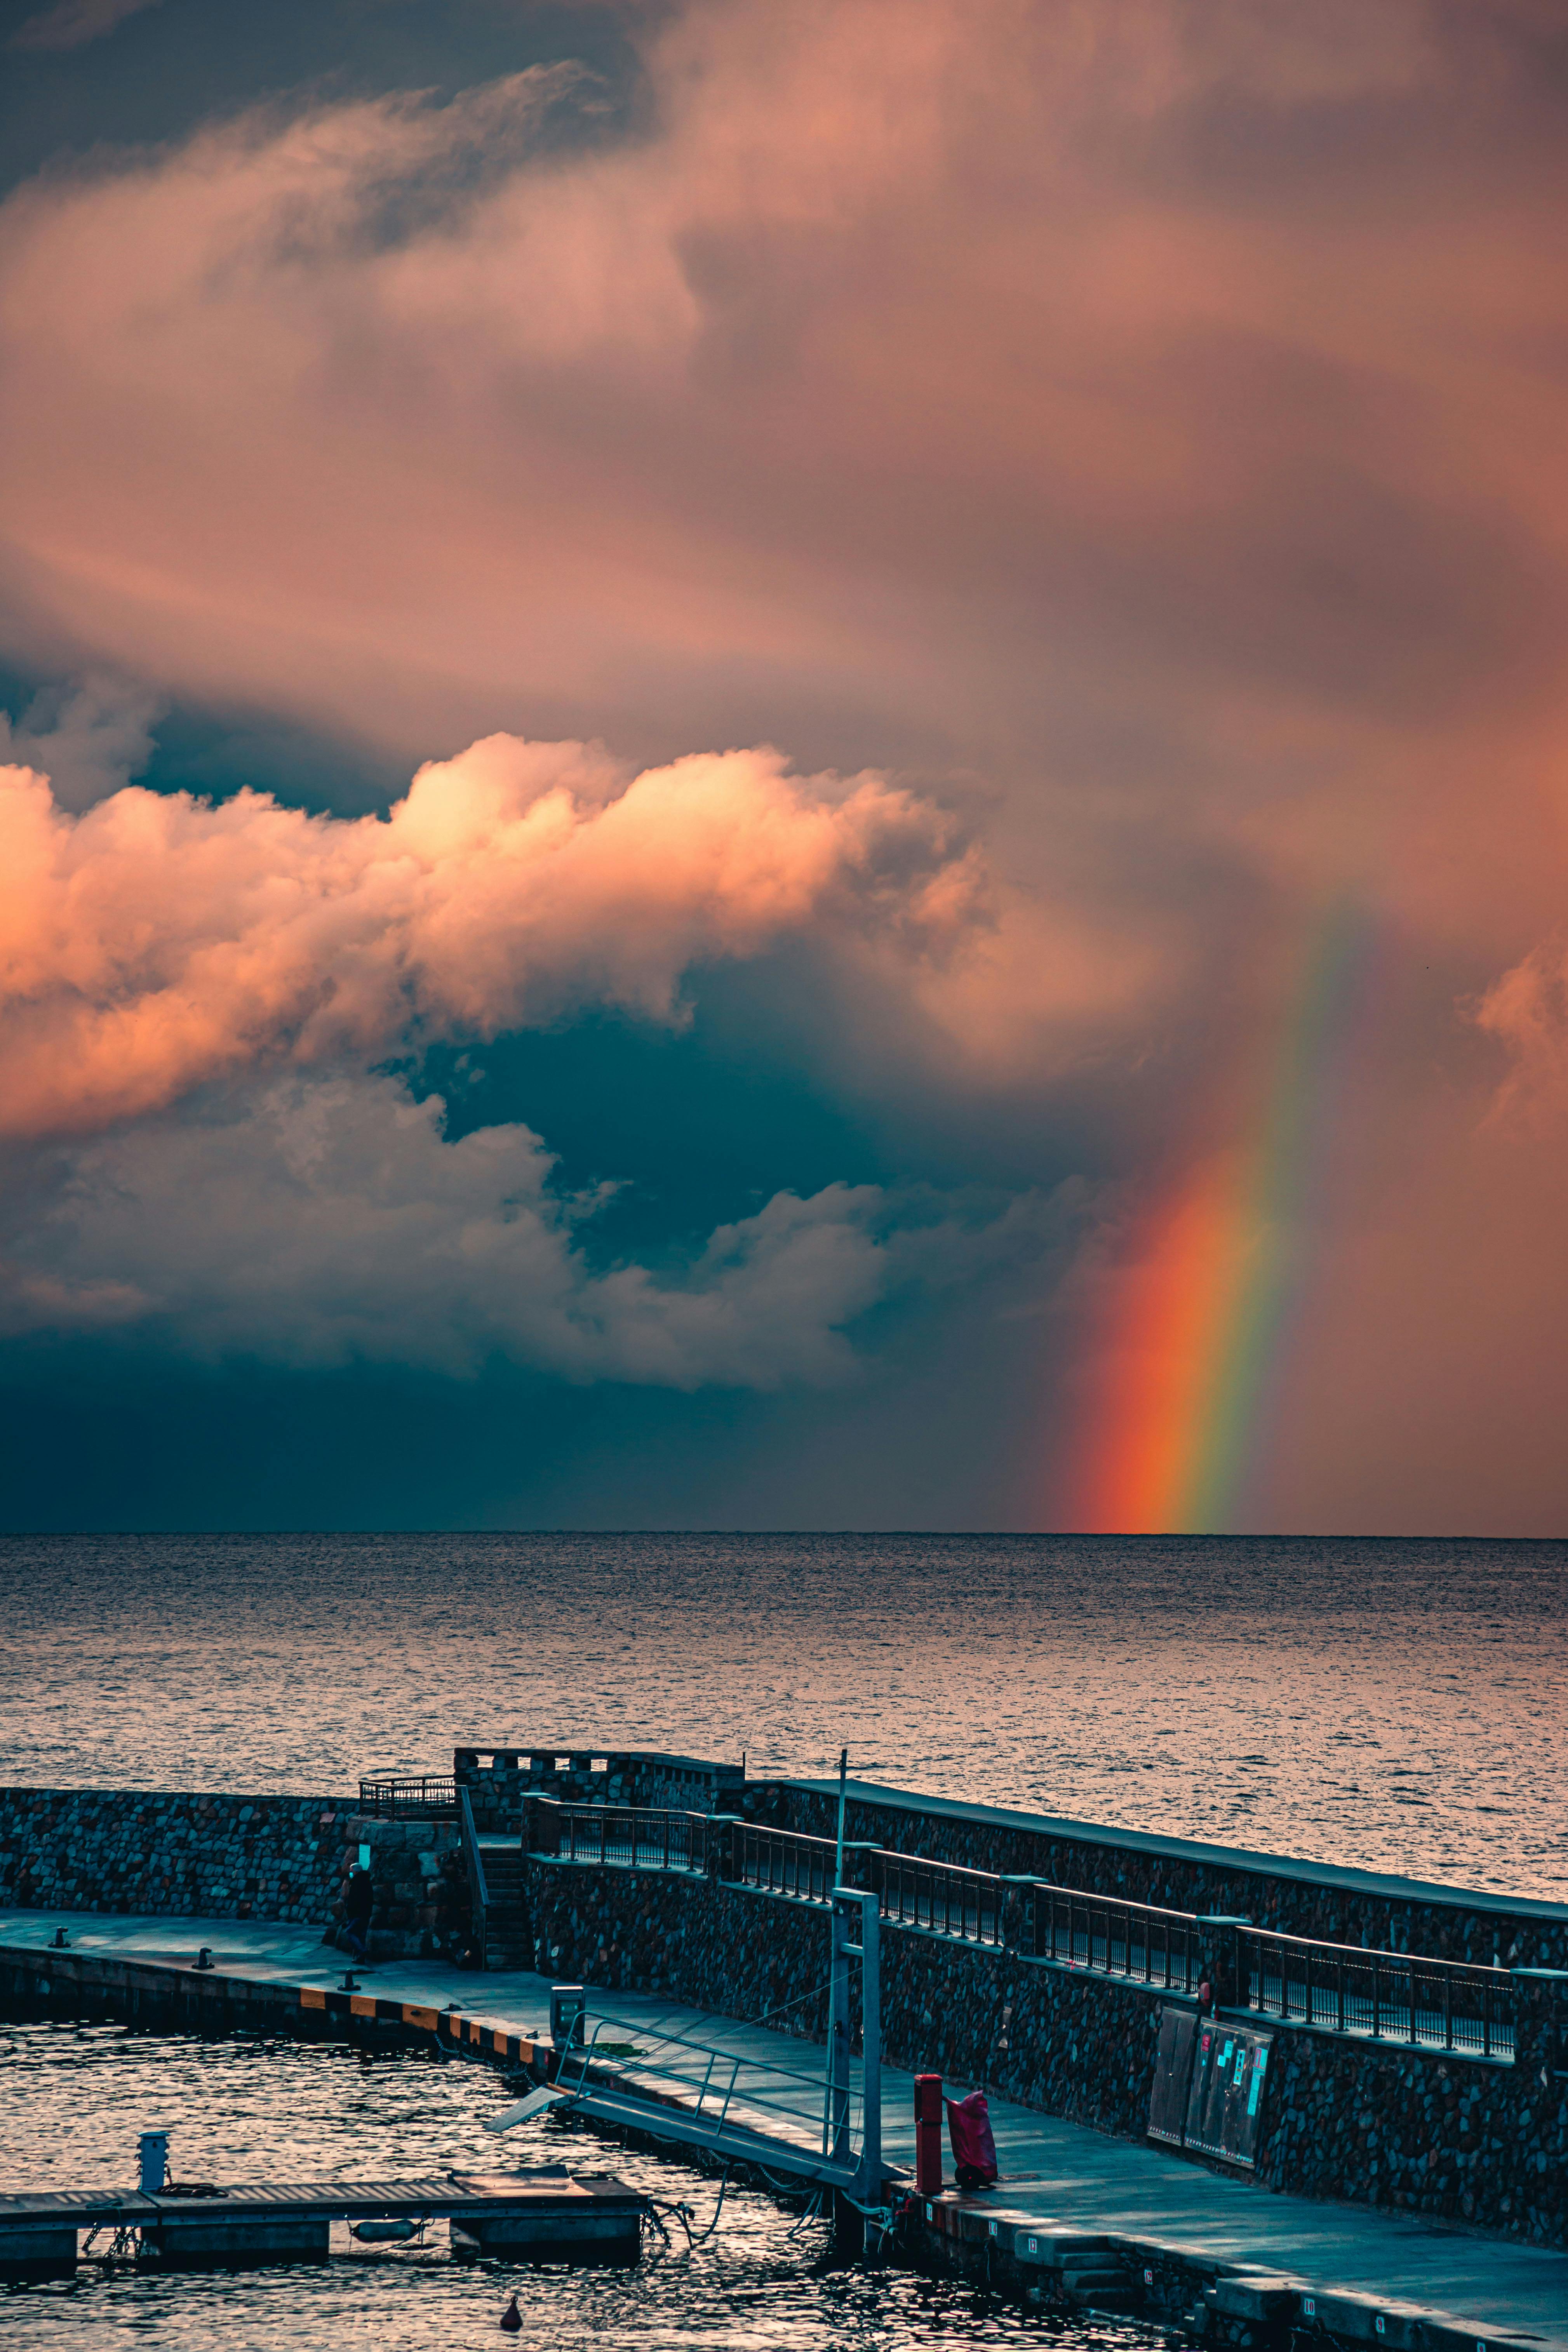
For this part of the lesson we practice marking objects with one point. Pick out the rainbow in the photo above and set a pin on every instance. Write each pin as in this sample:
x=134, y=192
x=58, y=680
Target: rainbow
x=1193, y=1336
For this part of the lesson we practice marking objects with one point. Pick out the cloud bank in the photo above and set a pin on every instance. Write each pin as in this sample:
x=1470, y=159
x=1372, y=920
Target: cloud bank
x=321, y=1222
x=159, y=941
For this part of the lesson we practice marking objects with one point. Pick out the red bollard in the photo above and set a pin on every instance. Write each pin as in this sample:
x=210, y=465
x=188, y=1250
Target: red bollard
x=927, y=2135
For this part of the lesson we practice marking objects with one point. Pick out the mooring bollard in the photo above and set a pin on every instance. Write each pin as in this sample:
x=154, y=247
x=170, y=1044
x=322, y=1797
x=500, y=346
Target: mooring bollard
x=927, y=2135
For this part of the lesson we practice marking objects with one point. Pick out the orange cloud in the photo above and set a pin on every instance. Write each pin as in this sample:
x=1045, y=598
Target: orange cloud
x=158, y=941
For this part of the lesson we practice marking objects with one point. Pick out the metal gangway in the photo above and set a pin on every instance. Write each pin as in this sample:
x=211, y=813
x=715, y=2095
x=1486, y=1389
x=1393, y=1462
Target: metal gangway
x=821, y=2125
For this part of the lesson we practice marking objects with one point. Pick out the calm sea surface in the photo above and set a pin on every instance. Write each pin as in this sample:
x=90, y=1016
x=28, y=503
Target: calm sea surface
x=1399, y=1705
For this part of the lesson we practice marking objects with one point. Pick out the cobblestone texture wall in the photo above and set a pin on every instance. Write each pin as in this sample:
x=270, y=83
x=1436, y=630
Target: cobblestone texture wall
x=221, y=1857
x=1409, y=2130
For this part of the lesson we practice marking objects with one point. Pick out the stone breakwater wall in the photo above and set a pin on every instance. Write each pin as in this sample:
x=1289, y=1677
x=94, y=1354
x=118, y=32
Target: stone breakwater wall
x=1411, y=2130
x=158, y=1851
x=183, y=1855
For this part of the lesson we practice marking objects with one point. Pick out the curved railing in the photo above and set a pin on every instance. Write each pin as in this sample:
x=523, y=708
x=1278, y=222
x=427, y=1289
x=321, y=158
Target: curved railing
x=433, y=1795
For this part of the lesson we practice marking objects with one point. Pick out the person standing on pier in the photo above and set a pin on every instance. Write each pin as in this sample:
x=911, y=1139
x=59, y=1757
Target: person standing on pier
x=359, y=1900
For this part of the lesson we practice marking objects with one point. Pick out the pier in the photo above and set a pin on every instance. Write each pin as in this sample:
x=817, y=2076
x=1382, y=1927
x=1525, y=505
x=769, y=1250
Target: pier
x=1079, y=2219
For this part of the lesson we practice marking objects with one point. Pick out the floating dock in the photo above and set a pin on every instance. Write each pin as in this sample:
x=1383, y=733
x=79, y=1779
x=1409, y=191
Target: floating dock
x=544, y=2215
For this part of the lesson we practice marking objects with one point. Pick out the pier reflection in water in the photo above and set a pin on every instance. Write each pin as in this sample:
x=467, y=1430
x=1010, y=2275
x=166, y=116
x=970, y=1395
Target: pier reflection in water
x=248, y=2108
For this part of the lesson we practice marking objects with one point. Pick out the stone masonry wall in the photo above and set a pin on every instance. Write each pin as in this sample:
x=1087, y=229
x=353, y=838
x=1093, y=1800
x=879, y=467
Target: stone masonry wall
x=1372, y=2124
x=222, y=1857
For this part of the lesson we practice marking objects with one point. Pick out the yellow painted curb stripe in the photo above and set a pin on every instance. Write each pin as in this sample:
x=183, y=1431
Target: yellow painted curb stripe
x=310, y=1999
x=411, y=2015
x=361, y=2004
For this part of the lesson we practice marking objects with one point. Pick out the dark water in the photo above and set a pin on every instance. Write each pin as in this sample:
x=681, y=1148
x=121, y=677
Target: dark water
x=1400, y=1706
x=250, y=2109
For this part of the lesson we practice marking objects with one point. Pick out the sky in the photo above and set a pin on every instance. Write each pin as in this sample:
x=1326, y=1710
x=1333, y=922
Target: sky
x=784, y=765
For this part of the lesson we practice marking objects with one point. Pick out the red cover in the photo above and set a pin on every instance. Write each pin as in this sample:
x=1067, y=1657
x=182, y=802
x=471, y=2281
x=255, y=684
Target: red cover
x=969, y=2129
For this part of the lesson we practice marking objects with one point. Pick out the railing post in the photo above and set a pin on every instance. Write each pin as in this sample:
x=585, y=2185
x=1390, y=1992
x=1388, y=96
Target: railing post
x=719, y=1832
x=870, y=2051
x=1447, y=2010
x=836, y=2113
x=1376, y=2001
x=1410, y=1973
x=1538, y=2020
x=1340, y=1994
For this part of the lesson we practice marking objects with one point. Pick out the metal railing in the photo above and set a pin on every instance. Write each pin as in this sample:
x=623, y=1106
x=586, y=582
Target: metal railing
x=1138, y=1940
x=635, y=1837
x=479, y=1891
x=783, y=1862
x=941, y=1896
x=409, y=1800
x=1381, y=1996
x=732, y=2095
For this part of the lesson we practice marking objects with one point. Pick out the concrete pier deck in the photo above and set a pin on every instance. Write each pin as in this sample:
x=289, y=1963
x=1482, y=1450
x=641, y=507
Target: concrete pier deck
x=1054, y=2173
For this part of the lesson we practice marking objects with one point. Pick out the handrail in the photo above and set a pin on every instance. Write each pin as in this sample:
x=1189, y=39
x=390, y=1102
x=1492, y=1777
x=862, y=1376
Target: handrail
x=946, y=1898
x=1089, y=1931
x=476, y=1864
x=783, y=1861
x=641, y=1837
x=1457, y=2005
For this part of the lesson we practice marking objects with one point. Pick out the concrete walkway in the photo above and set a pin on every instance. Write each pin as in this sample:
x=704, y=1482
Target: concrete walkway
x=1050, y=2170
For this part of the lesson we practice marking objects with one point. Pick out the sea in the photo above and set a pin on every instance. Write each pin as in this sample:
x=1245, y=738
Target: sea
x=1400, y=1706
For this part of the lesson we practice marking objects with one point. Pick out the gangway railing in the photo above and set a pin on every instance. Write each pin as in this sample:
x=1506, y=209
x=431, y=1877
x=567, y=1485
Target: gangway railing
x=1428, y=2004
x=818, y=2123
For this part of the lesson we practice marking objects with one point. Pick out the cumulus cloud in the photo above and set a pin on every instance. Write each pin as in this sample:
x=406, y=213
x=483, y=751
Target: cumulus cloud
x=326, y=1221
x=158, y=941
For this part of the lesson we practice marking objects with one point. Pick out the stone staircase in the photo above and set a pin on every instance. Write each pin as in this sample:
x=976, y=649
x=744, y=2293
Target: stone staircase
x=1101, y=2280
x=506, y=1936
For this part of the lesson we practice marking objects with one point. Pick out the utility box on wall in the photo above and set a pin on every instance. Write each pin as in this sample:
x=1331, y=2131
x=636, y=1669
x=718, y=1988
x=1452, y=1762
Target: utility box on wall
x=1224, y=2103
x=1208, y=2092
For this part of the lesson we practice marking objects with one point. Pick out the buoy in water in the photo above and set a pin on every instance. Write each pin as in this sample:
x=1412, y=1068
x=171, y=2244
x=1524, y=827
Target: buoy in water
x=512, y=2318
